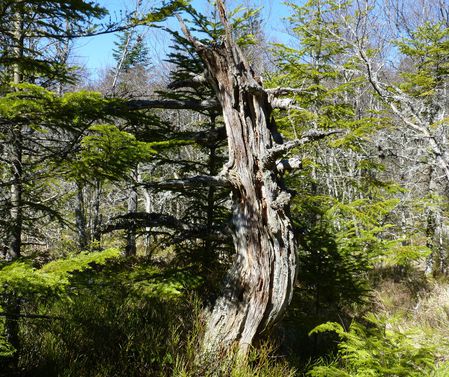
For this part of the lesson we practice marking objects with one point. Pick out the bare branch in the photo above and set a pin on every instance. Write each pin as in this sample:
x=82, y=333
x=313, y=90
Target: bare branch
x=275, y=92
x=187, y=183
x=283, y=103
x=141, y=104
x=198, y=45
x=224, y=20
x=308, y=137
x=289, y=165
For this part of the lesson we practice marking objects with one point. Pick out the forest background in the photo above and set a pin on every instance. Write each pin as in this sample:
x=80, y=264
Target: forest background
x=119, y=229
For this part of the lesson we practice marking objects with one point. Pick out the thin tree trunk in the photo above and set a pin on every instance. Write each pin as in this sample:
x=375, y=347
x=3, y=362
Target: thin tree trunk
x=212, y=167
x=12, y=304
x=96, y=215
x=148, y=209
x=131, y=248
x=260, y=283
x=16, y=204
x=80, y=218
x=15, y=155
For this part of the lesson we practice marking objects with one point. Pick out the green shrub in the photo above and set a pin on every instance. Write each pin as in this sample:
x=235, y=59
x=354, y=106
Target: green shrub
x=378, y=348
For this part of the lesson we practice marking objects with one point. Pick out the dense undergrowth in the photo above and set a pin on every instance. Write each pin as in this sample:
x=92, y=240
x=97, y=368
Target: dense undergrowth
x=127, y=317
x=100, y=314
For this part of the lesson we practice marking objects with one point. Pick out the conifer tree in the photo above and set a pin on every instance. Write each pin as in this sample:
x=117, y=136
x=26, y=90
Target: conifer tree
x=412, y=88
x=26, y=62
x=340, y=185
x=205, y=207
x=39, y=130
x=130, y=50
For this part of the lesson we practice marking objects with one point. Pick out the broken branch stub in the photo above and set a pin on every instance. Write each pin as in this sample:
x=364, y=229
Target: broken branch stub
x=260, y=282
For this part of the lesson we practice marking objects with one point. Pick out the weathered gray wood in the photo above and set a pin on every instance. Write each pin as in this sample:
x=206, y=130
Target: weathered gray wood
x=260, y=283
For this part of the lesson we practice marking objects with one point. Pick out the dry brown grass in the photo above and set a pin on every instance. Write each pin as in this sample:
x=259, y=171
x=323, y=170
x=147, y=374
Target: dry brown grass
x=419, y=307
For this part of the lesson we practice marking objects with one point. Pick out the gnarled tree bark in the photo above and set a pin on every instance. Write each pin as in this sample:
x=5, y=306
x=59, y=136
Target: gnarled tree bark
x=260, y=282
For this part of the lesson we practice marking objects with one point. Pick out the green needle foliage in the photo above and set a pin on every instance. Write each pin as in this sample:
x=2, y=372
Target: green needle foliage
x=23, y=279
x=48, y=24
x=31, y=284
x=130, y=51
x=343, y=207
x=128, y=317
x=76, y=157
x=427, y=48
x=378, y=349
x=108, y=153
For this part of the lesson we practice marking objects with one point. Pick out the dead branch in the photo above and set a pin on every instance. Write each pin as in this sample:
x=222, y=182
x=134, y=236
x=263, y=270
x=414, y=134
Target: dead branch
x=188, y=183
x=283, y=103
x=141, y=104
x=142, y=220
x=289, y=165
x=308, y=137
x=275, y=92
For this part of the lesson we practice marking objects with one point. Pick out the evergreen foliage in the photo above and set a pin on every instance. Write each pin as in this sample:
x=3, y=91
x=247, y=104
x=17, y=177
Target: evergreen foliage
x=427, y=48
x=378, y=349
x=44, y=22
x=370, y=206
x=344, y=205
x=21, y=279
x=205, y=208
x=107, y=152
x=130, y=51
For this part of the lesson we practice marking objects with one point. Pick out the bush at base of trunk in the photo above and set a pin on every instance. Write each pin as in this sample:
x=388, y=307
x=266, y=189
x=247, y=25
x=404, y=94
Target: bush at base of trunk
x=129, y=318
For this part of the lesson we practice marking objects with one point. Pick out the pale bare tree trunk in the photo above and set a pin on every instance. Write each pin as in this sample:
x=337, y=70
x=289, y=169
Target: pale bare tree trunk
x=131, y=247
x=148, y=209
x=16, y=205
x=260, y=282
x=14, y=251
x=208, y=253
x=15, y=155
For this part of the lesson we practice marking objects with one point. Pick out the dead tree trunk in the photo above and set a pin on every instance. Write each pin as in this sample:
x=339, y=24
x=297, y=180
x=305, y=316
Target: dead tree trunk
x=96, y=216
x=260, y=283
x=80, y=217
x=131, y=247
x=14, y=251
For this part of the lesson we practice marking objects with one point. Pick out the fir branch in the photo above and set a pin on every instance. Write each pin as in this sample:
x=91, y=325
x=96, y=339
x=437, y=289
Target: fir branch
x=187, y=183
x=193, y=82
x=141, y=104
x=205, y=138
x=141, y=220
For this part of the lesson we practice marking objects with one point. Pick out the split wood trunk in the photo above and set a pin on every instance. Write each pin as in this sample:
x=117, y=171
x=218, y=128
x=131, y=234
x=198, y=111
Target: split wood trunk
x=260, y=282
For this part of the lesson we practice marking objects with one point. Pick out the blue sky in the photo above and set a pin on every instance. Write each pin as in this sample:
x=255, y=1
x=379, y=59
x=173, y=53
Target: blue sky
x=96, y=53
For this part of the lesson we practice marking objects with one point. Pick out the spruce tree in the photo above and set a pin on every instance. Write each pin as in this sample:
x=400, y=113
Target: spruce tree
x=23, y=22
x=343, y=205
